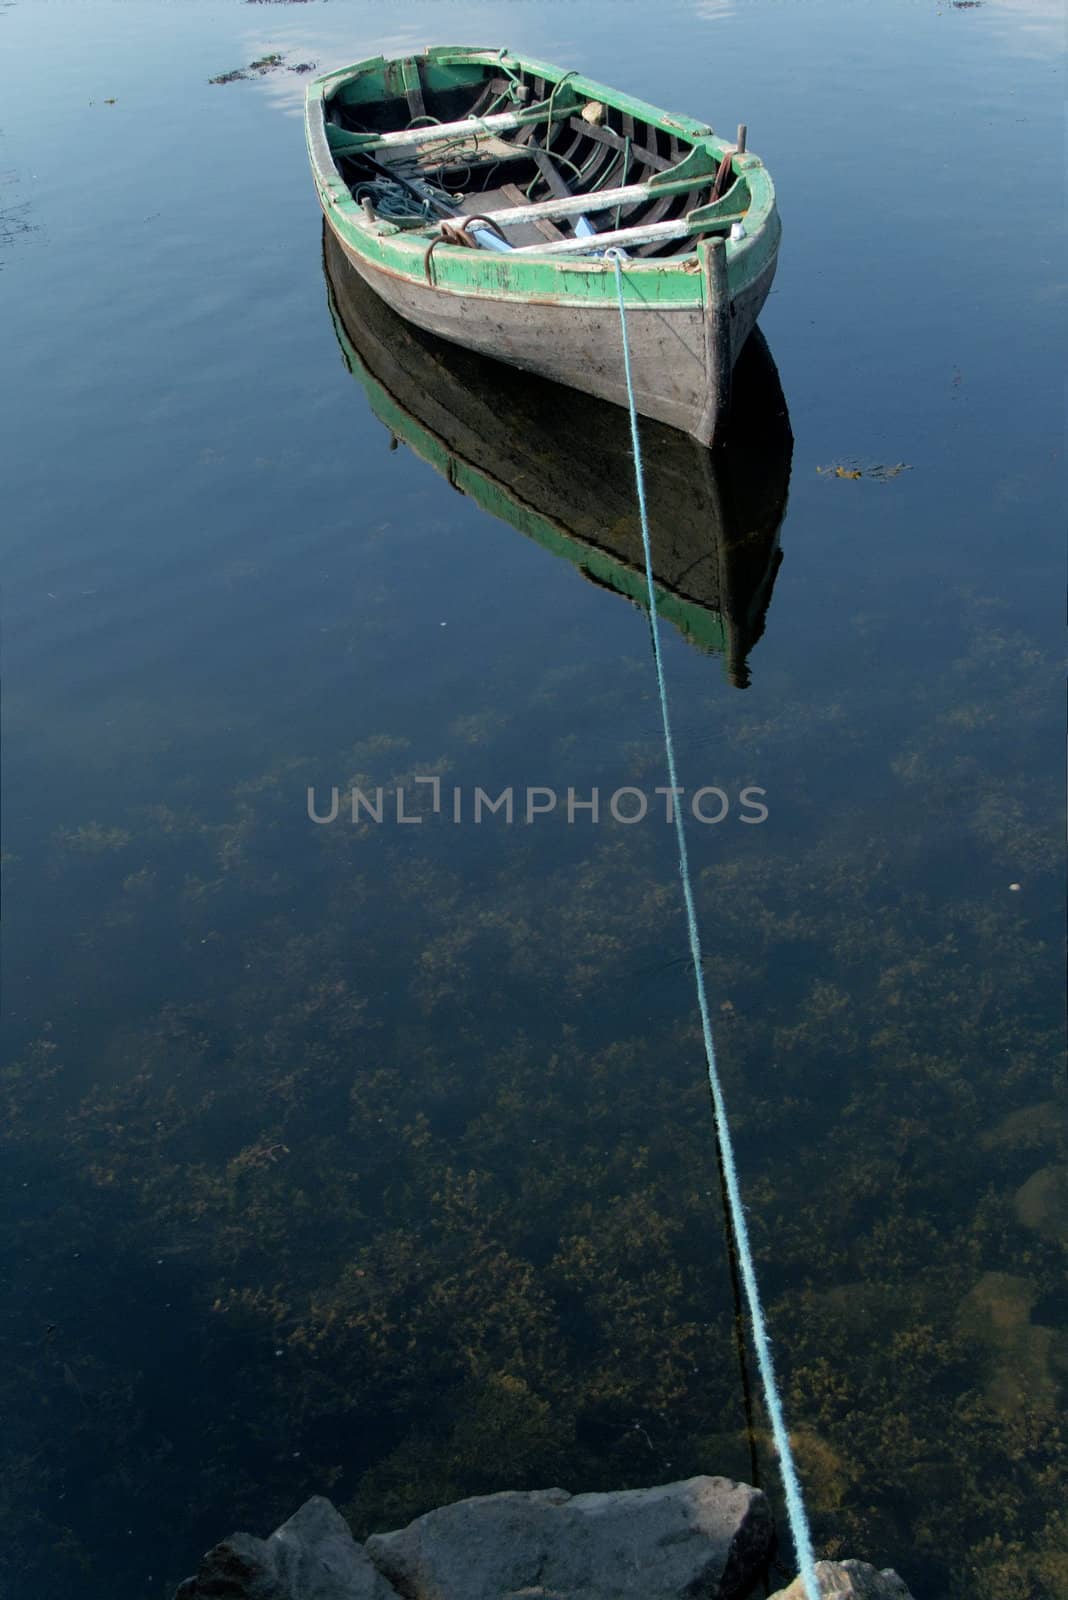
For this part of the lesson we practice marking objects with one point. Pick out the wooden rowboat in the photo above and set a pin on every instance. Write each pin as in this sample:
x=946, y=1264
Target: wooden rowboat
x=477, y=192
x=555, y=465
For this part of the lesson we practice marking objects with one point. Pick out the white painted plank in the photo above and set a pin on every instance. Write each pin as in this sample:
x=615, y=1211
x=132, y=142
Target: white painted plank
x=594, y=200
x=499, y=122
x=636, y=235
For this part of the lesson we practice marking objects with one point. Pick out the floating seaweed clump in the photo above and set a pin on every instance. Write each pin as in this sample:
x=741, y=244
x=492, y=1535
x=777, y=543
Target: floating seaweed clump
x=14, y=219
x=882, y=472
x=265, y=64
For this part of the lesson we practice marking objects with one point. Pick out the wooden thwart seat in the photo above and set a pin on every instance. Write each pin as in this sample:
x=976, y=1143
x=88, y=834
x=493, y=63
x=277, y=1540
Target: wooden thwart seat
x=499, y=122
x=567, y=204
x=641, y=233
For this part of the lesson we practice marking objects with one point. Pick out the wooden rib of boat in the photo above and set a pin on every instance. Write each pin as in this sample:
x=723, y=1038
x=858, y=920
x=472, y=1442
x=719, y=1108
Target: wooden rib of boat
x=477, y=192
x=556, y=465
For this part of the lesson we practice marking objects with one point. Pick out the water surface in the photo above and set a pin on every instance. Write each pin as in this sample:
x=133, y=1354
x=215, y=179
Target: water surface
x=377, y=1161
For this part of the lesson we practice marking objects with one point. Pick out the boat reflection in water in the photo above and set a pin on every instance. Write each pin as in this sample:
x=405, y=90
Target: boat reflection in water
x=557, y=466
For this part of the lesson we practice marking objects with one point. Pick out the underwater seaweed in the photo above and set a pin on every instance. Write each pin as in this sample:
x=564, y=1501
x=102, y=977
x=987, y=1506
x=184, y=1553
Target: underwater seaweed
x=409, y=1168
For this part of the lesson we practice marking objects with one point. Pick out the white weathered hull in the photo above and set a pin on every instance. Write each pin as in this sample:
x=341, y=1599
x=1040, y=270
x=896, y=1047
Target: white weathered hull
x=581, y=345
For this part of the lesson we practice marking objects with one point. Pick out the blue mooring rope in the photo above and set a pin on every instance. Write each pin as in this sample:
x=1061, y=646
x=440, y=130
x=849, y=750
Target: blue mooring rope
x=795, y=1505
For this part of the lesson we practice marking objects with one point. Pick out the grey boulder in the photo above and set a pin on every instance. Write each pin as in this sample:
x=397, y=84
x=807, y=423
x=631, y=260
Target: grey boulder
x=701, y=1539
x=849, y=1578
x=313, y=1556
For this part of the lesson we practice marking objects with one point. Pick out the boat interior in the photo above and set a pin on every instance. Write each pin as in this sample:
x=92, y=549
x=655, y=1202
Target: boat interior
x=496, y=156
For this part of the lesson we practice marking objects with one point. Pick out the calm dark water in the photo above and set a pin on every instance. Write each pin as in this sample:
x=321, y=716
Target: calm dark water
x=377, y=1161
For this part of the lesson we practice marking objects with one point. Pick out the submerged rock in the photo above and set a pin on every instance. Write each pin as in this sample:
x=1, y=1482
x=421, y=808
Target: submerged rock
x=844, y=1578
x=1037, y=1127
x=1042, y=1203
x=313, y=1556
x=1021, y=1373
x=703, y=1536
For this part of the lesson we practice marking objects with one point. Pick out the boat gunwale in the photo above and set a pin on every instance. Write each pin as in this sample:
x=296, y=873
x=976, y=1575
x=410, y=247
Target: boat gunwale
x=477, y=55
x=553, y=302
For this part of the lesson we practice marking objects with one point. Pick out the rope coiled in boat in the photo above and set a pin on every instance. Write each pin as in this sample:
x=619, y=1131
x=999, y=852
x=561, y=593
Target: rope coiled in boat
x=414, y=200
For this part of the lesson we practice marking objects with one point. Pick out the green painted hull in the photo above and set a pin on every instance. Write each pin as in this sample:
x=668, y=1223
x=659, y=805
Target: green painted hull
x=557, y=315
x=556, y=466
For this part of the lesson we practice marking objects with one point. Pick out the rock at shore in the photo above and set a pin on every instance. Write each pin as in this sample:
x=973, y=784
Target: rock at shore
x=313, y=1556
x=849, y=1580
x=705, y=1537
x=701, y=1539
